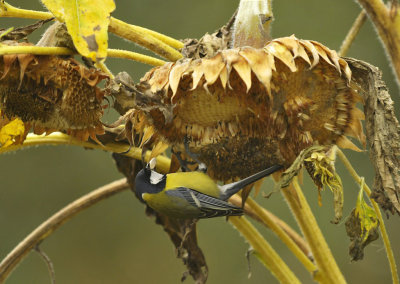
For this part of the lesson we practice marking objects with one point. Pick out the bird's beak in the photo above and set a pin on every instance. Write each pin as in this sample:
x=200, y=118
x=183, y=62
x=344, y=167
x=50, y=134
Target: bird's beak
x=152, y=164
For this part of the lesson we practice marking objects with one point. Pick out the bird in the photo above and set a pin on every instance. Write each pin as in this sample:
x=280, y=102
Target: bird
x=192, y=194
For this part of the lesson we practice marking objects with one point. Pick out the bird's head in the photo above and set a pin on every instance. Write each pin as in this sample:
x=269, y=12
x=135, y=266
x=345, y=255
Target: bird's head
x=148, y=180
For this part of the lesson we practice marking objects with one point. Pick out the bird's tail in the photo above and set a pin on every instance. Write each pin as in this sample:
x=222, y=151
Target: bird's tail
x=230, y=189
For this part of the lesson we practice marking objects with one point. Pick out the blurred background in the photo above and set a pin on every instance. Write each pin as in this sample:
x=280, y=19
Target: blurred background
x=114, y=242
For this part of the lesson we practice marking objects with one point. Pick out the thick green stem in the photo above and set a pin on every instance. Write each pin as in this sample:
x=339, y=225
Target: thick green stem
x=328, y=271
x=382, y=228
x=265, y=252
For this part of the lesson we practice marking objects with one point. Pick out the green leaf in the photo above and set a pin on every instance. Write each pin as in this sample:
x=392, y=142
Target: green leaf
x=87, y=22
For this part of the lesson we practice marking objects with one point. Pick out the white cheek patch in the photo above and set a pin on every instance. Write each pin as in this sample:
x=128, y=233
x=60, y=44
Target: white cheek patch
x=156, y=178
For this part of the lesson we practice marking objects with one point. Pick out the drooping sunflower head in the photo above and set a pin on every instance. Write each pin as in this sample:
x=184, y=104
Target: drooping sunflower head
x=50, y=93
x=246, y=109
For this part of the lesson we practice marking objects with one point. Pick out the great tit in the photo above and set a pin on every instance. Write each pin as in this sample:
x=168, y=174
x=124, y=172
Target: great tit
x=190, y=194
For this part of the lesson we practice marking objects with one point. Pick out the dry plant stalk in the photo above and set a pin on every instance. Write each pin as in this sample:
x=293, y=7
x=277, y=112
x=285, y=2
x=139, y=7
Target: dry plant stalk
x=386, y=19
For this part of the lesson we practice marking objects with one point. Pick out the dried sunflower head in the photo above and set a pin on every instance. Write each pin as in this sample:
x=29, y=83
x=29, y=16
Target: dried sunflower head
x=248, y=106
x=51, y=93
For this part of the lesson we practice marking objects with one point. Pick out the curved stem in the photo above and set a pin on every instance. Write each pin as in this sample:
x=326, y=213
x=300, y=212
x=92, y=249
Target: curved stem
x=282, y=235
x=119, y=53
x=49, y=263
x=165, y=39
x=144, y=39
x=6, y=10
x=249, y=211
x=103, y=67
x=353, y=32
x=328, y=271
x=37, y=50
x=265, y=252
x=51, y=50
x=382, y=228
x=50, y=225
x=57, y=138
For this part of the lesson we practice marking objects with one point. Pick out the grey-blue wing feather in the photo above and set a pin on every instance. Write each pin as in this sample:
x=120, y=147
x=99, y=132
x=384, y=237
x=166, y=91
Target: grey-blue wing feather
x=208, y=205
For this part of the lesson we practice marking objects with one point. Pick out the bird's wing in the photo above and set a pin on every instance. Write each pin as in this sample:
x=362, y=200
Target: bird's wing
x=208, y=205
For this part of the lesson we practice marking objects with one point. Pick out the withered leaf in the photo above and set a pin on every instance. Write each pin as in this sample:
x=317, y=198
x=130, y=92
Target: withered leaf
x=320, y=165
x=294, y=169
x=318, y=160
x=22, y=32
x=383, y=132
x=362, y=227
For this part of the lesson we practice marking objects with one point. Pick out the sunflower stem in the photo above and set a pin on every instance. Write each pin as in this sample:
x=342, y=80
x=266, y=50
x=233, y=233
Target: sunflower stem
x=252, y=23
x=32, y=49
x=382, y=228
x=50, y=50
x=353, y=32
x=57, y=138
x=249, y=211
x=115, y=24
x=103, y=67
x=282, y=235
x=266, y=253
x=386, y=19
x=328, y=271
x=144, y=39
x=8, y=11
x=120, y=53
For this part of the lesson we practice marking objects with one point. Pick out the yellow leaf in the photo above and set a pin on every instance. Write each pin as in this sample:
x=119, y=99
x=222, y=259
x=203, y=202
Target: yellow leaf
x=10, y=132
x=87, y=23
x=321, y=165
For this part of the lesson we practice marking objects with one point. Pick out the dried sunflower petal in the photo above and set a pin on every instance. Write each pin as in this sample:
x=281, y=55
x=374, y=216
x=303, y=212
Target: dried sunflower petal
x=251, y=106
x=51, y=93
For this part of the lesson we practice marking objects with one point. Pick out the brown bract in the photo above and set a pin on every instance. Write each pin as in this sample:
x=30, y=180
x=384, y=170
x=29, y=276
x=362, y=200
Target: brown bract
x=51, y=93
x=246, y=109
